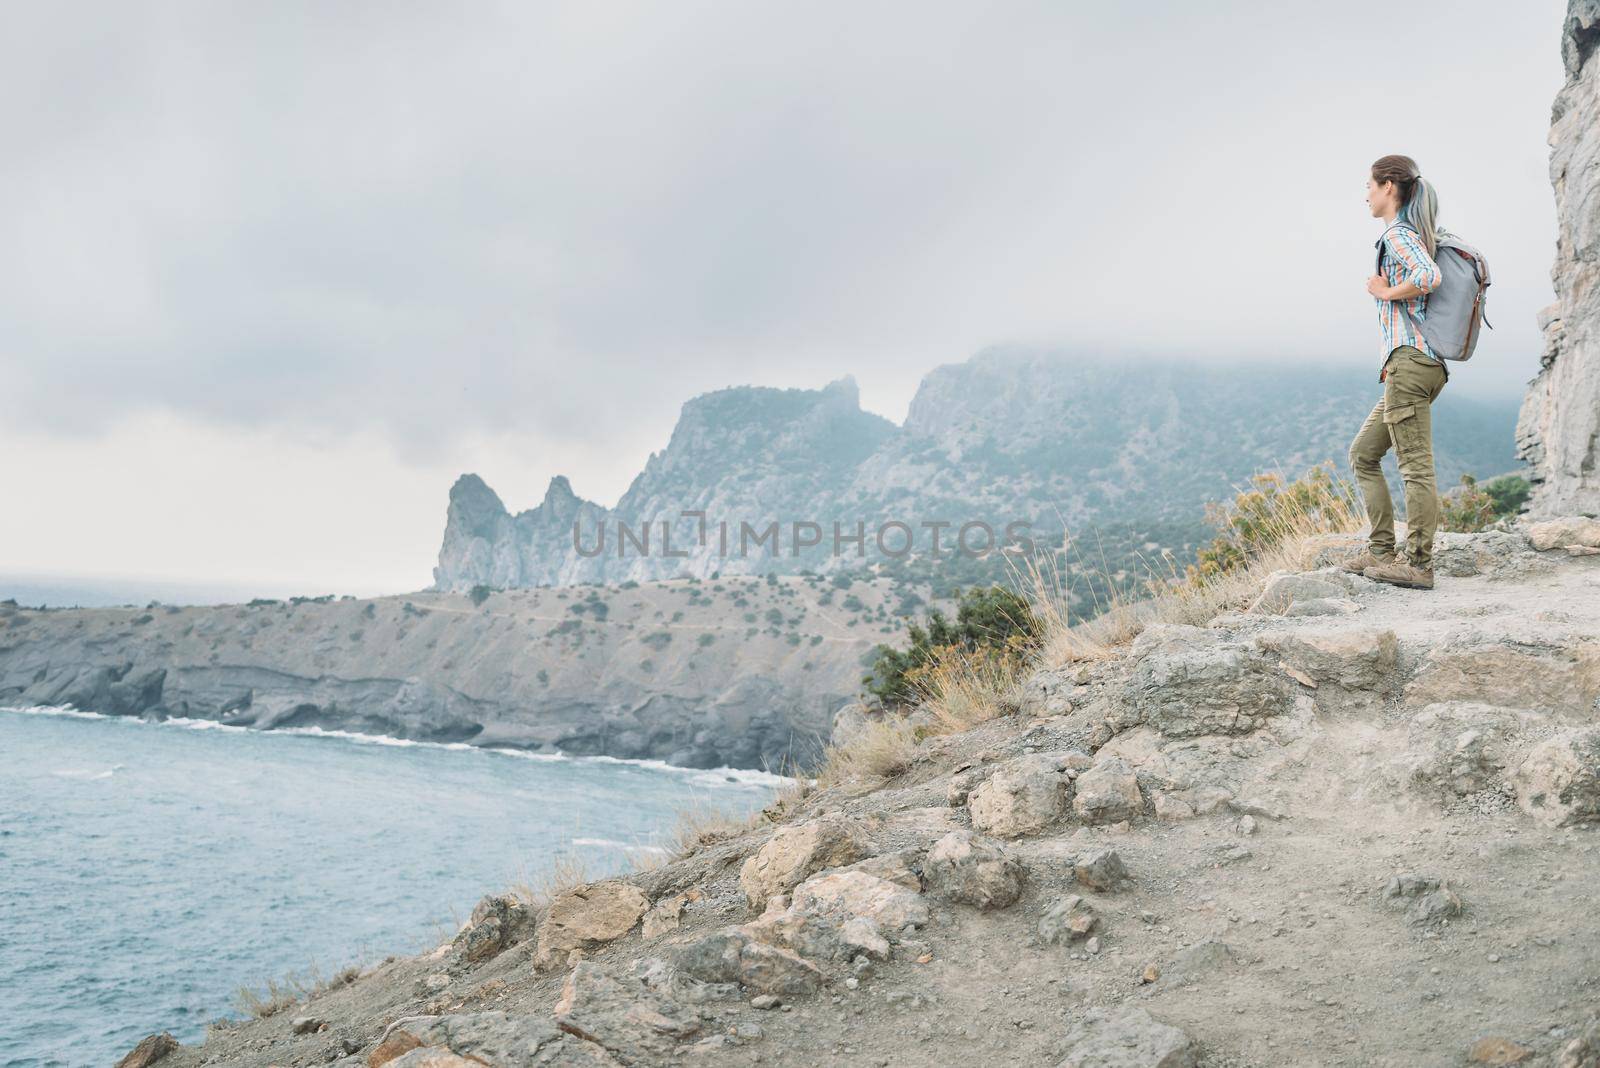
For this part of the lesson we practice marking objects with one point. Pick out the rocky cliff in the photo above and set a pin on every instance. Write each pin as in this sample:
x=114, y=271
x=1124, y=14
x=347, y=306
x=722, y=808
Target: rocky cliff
x=740, y=673
x=1558, y=432
x=1010, y=435
x=1341, y=824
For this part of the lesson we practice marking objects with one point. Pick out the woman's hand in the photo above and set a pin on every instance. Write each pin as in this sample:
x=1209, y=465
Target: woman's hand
x=1379, y=287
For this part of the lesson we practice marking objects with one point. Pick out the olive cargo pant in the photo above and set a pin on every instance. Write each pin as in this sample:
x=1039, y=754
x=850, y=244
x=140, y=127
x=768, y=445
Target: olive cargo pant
x=1402, y=420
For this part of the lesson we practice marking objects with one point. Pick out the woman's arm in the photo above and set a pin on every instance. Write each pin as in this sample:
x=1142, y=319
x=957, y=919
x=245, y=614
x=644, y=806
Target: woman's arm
x=1379, y=287
x=1418, y=273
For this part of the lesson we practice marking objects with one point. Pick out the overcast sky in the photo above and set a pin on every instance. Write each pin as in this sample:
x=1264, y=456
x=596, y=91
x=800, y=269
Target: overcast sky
x=273, y=274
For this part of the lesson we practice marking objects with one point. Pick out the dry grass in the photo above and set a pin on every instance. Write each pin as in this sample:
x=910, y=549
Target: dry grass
x=1265, y=528
x=880, y=749
x=281, y=994
x=568, y=871
x=964, y=689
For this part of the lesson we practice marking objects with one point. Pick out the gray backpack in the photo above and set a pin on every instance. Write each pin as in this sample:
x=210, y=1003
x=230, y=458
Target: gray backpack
x=1456, y=306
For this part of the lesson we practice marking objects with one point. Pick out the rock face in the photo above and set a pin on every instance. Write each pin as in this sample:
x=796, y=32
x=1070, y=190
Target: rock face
x=972, y=870
x=1558, y=432
x=589, y=915
x=1126, y=1038
x=793, y=853
x=670, y=671
x=1559, y=782
x=992, y=439
x=1023, y=797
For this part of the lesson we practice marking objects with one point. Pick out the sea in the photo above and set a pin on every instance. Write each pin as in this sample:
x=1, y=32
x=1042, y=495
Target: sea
x=149, y=871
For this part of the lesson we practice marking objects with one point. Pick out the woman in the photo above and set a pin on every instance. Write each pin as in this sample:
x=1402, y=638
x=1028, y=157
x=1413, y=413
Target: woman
x=1412, y=377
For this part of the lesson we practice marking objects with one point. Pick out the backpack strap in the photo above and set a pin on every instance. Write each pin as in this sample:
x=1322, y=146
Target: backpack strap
x=1382, y=245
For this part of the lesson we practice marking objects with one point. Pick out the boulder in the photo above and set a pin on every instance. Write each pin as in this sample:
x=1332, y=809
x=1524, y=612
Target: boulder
x=1066, y=919
x=962, y=783
x=1559, y=780
x=1361, y=662
x=1567, y=530
x=1200, y=959
x=1283, y=590
x=1101, y=869
x=899, y=867
x=797, y=851
x=587, y=916
x=1584, y=1050
x=1189, y=681
x=150, y=1049
x=1107, y=793
x=1125, y=1037
x=1497, y=1052
x=1457, y=748
x=1023, y=796
x=1424, y=899
x=484, y=1038
x=769, y=969
x=850, y=893
x=422, y=1057
x=712, y=958
x=1492, y=552
x=497, y=923
x=735, y=955
x=665, y=915
x=972, y=870
x=633, y=1024
x=1557, y=677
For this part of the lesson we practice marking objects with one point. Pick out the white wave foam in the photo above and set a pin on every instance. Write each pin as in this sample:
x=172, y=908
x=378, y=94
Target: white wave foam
x=612, y=843
x=723, y=777
x=52, y=710
x=83, y=774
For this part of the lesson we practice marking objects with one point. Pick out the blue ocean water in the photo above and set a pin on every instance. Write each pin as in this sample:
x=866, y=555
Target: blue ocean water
x=149, y=870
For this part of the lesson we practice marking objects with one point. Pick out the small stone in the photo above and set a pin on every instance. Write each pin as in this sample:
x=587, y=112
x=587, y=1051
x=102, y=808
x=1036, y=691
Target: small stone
x=1093, y=945
x=765, y=1001
x=1101, y=870
x=1066, y=919
x=970, y=869
x=305, y=1025
x=1247, y=825
x=1151, y=973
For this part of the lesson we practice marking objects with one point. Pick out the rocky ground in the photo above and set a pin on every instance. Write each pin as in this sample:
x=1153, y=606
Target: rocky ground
x=1347, y=824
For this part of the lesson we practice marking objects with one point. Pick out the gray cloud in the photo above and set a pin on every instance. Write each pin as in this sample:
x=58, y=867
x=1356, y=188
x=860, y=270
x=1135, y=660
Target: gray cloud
x=429, y=219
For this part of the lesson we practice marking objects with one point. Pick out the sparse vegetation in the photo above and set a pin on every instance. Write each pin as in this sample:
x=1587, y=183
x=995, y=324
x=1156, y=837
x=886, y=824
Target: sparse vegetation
x=1472, y=507
x=994, y=625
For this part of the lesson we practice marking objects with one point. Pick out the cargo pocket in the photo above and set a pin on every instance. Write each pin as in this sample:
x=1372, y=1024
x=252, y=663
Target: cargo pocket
x=1400, y=420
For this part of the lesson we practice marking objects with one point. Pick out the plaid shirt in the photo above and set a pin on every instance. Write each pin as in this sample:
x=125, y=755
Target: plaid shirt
x=1405, y=260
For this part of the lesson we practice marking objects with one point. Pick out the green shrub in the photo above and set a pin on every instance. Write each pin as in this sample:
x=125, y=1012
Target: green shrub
x=1473, y=507
x=479, y=594
x=991, y=621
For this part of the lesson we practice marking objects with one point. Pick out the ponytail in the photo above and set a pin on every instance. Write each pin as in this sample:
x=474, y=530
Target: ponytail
x=1422, y=212
x=1419, y=204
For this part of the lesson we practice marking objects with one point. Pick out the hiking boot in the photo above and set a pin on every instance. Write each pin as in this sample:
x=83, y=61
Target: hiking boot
x=1357, y=564
x=1400, y=573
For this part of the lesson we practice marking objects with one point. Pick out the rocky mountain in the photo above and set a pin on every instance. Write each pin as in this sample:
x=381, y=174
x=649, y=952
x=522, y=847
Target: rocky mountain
x=741, y=672
x=1009, y=436
x=1558, y=432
